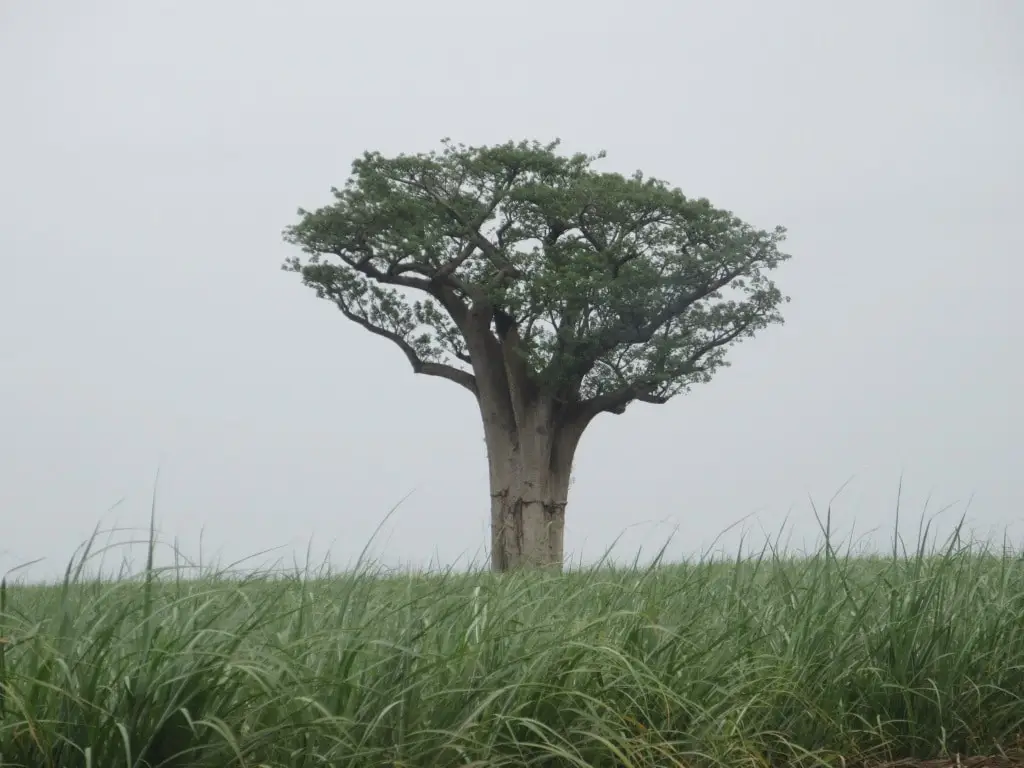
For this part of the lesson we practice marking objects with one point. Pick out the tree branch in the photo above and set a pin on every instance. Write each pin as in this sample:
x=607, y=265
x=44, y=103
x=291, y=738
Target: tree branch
x=616, y=402
x=441, y=370
x=645, y=332
x=492, y=377
x=391, y=277
x=641, y=333
x=644, y=392
x=516, y=367
x=471, y=228
x=449, y=267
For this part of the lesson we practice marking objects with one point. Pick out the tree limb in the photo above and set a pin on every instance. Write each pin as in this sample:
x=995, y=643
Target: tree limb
x=441, y=370
x=471, y=228
x=492, y=379
x=516, y=367
x=628, y=333
x=616, y=401
x=644, y=333
x=390, y=277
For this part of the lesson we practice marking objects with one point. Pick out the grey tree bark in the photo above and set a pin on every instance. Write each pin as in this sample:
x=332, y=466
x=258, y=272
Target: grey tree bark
x=530, y=469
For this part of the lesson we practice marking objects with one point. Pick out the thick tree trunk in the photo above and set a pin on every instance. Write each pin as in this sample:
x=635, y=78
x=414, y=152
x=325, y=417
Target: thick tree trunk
x=530, y=469
x=531, y=441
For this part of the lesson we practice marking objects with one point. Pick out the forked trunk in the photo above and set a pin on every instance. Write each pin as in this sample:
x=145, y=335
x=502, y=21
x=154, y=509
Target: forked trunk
x=530, y=470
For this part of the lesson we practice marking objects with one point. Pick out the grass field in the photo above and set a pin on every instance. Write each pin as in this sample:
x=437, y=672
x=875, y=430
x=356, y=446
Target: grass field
x=825, y=660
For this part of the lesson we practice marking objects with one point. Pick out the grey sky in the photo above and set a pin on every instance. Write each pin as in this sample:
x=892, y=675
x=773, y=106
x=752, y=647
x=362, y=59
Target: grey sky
x=152, y=152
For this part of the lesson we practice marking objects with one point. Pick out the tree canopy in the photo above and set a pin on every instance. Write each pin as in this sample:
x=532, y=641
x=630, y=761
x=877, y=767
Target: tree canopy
x=595, y=288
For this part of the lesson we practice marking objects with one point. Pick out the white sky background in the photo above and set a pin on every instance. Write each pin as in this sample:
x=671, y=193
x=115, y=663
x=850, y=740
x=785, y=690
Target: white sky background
x=152, y=152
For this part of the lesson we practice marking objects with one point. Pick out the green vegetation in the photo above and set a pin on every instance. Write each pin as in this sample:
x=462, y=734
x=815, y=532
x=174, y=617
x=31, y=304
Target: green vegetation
x=768, y=660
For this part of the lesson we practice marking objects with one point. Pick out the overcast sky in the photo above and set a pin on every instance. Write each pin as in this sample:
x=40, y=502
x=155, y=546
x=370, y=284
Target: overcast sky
x=152, y=152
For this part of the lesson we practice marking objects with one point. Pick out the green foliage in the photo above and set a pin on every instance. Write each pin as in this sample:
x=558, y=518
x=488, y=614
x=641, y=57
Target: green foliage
x=765, y=661
x=616, y=287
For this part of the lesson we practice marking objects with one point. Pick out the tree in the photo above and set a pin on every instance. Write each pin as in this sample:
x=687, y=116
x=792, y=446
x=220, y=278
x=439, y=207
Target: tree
x=550, y=291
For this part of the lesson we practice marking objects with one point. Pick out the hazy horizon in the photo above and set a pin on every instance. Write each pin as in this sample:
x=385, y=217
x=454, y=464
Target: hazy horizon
x=153, y=154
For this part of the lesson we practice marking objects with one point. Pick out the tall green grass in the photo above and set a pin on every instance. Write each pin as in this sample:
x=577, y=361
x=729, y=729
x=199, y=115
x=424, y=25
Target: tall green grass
x=766, y=660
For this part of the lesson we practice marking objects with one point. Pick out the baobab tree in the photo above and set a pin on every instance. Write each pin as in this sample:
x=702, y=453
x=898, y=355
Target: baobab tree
x=550, y=291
